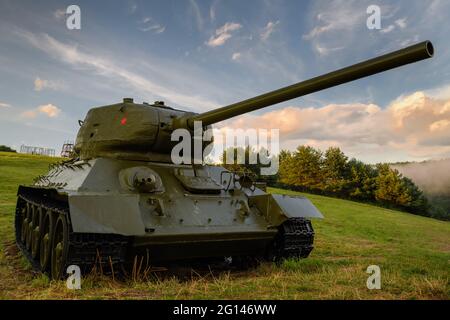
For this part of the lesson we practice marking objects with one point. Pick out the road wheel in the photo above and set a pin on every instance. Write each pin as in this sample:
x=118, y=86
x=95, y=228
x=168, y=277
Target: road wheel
x=45, y=247
x=29, y=225
x=21, y=225
x=60, y=247
x=36, y=232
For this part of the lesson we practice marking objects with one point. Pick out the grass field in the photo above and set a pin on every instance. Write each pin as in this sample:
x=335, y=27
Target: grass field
x=413, y=253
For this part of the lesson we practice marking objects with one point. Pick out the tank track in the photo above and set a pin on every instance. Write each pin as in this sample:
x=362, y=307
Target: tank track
x=86, y=250
x=294, y=240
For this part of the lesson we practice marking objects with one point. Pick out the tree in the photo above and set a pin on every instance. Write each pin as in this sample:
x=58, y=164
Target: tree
x=302, y=168
x=241, y=162
x=285, y=172
x=418, y=203
x=335, y=171
x=361, y=180
x=6, y=149
x=310, y=170
x=390, y=187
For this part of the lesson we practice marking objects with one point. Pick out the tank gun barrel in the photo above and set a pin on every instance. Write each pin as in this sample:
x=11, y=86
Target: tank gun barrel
x=413, y=53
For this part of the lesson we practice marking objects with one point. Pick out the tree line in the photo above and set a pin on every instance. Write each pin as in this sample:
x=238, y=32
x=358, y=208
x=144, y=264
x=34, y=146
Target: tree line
x=4, y=148
x=332, y=173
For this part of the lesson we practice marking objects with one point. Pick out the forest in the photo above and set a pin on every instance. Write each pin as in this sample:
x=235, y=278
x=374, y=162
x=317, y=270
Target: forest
x=332, y=173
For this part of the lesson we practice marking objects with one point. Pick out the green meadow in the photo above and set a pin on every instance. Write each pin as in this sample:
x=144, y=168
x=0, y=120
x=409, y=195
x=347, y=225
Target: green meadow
x=413, y=253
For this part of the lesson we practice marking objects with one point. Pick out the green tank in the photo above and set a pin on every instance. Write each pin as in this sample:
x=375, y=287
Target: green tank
x=121, y=195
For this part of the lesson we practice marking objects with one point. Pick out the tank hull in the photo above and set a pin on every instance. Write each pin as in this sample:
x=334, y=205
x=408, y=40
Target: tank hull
x=161, y=211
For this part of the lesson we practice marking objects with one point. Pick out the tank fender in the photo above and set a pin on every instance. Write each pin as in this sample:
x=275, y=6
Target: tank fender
x=276, y=208
x=297, y=206
x=116, y=214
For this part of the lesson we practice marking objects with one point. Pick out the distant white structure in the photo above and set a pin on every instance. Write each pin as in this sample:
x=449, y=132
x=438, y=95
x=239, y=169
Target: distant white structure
x=67, y=149
x=37, y=150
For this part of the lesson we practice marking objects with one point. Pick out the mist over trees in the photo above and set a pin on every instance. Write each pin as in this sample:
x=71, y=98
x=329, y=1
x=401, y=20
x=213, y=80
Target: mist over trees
x=433, y=178
x=332, y=173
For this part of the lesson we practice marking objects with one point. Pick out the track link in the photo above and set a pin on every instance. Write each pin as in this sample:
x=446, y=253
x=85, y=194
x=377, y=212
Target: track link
x=85, y=250
x=294, y=240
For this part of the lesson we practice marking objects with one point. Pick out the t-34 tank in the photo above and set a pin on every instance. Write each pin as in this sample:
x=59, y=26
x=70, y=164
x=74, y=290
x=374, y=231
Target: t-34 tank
x=121, y=194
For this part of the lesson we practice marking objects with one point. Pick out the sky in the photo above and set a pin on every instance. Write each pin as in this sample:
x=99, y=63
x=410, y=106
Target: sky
x=198, y=55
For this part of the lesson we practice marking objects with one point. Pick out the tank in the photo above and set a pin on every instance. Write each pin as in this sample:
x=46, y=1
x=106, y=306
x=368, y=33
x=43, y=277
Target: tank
x=121, y=196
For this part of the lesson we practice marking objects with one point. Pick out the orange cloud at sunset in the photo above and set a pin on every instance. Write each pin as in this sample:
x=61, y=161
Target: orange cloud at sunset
x=416, y=126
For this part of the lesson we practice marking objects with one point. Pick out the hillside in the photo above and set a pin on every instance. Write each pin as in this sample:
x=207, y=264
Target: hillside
x=413, y=253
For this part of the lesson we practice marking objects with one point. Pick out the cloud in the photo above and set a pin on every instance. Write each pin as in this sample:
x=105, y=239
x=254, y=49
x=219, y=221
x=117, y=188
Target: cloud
x=49, y=110
x=41, y=84
x=156, y=28
x=59, y=14
x=236, y=56
x=416, y=126
x=107, y=68
x=335, y=24
x=440, y=125
x=388, y=29
x=401, y=23
x=410, y=41
x=4, y=105
x=442, y=92
x=268, y=30
x=223, y=34
x=316, y=31
x=325, y=50
x=133, y=8
x=336, y=17
x=194, y=10
x=212, y=13
x=29, y=114
x=147, y=24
